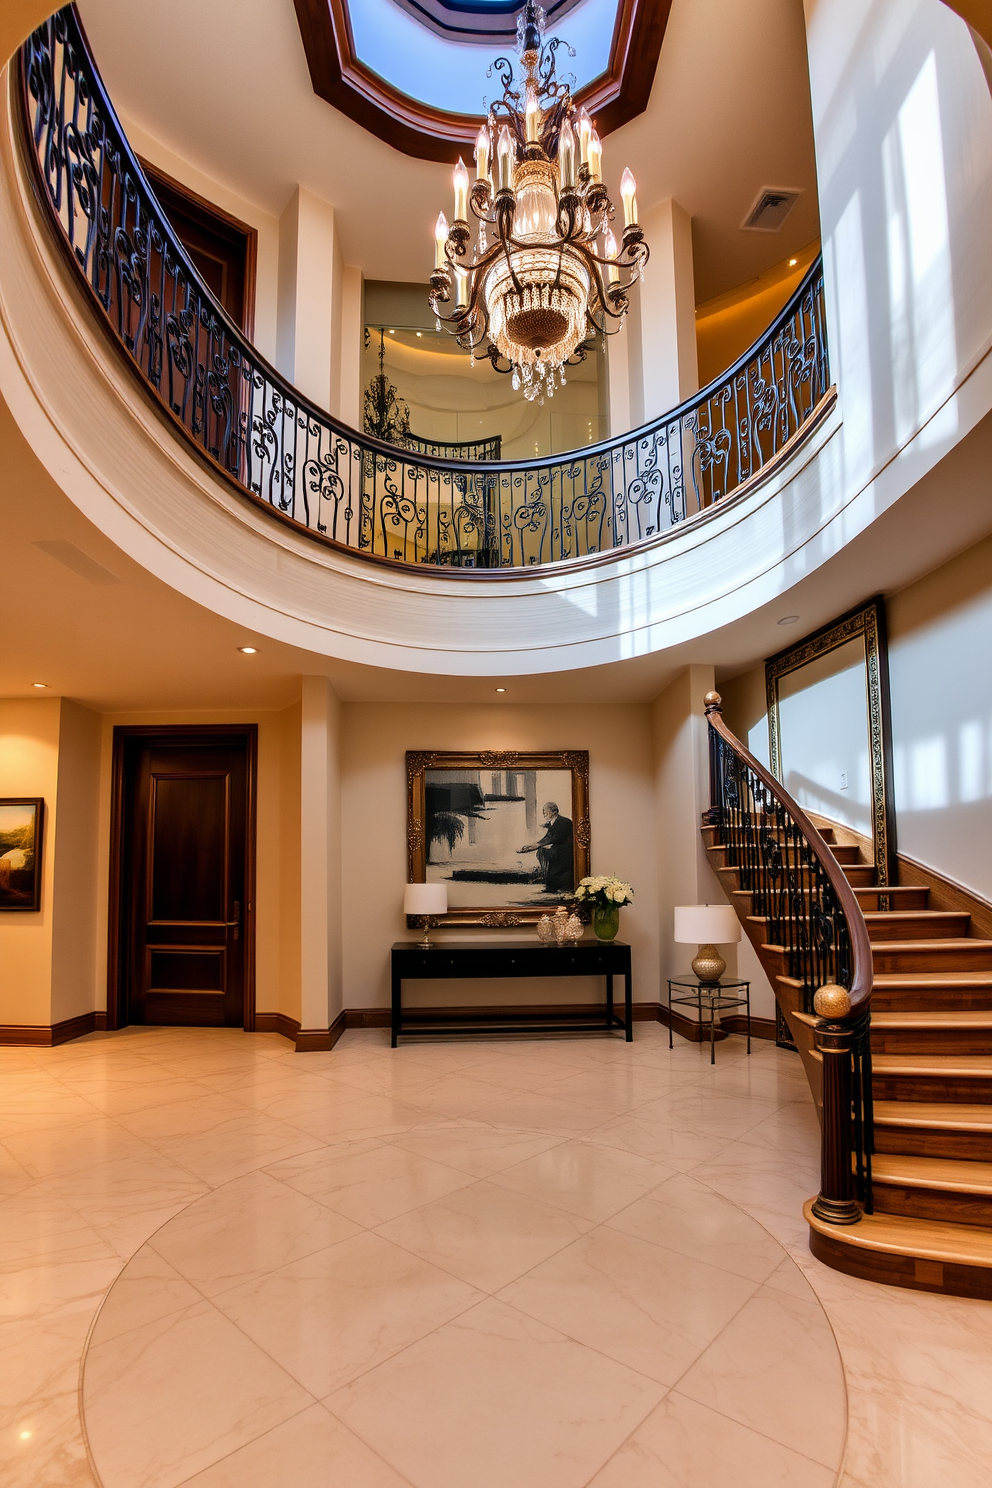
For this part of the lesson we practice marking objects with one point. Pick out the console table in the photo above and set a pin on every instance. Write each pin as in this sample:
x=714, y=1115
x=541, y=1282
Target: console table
x=470, y=959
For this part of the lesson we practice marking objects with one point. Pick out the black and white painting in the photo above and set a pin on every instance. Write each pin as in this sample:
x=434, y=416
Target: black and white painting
x=500, y=837
x=502, y=832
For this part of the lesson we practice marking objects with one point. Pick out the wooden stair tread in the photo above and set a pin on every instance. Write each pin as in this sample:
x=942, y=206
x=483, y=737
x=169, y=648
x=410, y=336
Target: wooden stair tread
x=932, y=1064
x=955, y=1175
x=901, y=915
x=950, y=980
x=934, y=1019
x=930, y=1239
x=938, y=1115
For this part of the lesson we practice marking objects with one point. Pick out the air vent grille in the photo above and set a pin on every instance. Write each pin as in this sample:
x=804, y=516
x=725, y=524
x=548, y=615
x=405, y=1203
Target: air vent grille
x=770, y=209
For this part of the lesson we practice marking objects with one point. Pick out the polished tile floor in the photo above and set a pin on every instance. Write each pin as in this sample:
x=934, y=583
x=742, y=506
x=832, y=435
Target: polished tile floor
x=550, y=1263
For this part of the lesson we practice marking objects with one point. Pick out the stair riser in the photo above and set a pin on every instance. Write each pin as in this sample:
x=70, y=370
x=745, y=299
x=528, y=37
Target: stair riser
x=931, y=999
x=920, y=1141
x=949, y=959
x=932, y=1203
x=957, y=1089
x=868, y=900
x=930, y=1040
x=859, y=874
x=929, y=929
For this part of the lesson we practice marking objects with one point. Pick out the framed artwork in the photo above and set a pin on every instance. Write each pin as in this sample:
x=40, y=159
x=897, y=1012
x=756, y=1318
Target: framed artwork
x=830, y=735
x=507, y=833
x=21, y=822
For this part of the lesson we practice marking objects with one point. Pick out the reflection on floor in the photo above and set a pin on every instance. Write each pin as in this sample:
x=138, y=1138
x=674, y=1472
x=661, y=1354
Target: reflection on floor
x=549, y=1263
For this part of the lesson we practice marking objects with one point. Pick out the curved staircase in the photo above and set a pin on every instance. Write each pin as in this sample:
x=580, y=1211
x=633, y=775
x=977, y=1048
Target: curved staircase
x=927, y=1222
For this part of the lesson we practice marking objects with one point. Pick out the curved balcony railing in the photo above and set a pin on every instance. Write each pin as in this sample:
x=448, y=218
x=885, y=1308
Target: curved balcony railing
x=812, y=914
x=343, y=487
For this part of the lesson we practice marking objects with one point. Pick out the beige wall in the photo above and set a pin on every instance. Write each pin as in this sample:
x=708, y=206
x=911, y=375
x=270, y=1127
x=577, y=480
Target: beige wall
x=29, y=766
x=74, y=932
x=374, y=800
x=940, y=638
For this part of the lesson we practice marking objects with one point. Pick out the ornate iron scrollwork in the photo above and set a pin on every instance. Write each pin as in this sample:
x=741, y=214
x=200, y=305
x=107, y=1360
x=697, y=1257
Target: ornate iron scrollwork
x=430, y=505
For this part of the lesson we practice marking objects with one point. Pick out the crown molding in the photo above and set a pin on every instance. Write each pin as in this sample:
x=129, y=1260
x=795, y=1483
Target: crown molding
x=427, y=133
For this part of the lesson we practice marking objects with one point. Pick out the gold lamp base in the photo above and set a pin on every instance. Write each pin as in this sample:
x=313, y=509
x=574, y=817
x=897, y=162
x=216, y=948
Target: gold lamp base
x=708, y=964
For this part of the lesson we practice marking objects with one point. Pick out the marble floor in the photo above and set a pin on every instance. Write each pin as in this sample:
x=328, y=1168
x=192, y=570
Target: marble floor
x=549, y=1263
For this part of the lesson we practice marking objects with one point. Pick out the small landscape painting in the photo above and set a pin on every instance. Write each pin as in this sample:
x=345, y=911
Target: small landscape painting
x=506, y=833
x=20, y=852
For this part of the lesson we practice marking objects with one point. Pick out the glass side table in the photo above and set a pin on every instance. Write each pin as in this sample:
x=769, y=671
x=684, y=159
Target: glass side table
x=708, y=997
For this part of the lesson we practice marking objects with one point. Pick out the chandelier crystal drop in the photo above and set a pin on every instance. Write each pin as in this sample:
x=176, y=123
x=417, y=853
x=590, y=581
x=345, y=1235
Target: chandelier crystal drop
x=545, y=272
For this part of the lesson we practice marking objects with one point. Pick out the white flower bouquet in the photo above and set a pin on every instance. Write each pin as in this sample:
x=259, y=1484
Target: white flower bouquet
x=604, y=892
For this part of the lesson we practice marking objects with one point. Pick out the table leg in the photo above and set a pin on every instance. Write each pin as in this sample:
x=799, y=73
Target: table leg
x=397, y=1008
x=671, y=1043
x=712, y=1033
x=609, y=999
x=628, y=1007
x=748, y=994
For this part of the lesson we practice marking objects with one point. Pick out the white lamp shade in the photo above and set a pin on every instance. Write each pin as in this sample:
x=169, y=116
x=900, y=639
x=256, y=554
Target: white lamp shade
x=425, y=899
x=706, y=924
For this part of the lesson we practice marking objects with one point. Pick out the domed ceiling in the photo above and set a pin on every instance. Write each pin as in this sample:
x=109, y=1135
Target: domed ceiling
x=417, y=72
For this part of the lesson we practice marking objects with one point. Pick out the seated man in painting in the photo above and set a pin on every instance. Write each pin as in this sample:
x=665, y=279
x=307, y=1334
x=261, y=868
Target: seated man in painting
x=555, y=861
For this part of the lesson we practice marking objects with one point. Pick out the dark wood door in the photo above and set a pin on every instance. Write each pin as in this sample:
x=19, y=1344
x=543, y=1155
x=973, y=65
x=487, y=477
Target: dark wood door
x=185, y=882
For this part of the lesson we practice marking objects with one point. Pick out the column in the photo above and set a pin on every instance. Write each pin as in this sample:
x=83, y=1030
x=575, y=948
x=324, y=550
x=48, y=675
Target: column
x=309, y=276
x=320, y=865
x=668, y=371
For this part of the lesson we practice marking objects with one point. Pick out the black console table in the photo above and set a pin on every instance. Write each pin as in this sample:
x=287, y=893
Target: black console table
x=493, y=958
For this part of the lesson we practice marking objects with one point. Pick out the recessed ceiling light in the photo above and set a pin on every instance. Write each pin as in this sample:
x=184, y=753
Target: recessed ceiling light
x=39, y=684
x=793, y=262
x=392, y=333
x=501, y=689
x=788, y=620
x=248, y=650
x=419, y=334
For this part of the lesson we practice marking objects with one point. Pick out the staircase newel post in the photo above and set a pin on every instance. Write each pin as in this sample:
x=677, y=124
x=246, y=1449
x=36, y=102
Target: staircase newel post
x=834, y=1040
x=713, y=704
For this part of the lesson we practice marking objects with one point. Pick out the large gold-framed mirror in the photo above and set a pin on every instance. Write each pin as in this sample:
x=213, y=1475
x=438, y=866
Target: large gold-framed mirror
x=829, y=727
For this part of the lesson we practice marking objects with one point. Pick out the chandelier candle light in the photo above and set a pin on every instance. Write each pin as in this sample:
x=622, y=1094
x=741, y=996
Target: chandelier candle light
x=553, y=274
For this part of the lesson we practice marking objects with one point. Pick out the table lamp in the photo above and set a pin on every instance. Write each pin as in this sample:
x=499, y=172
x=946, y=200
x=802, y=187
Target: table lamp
x=426, y=901
x=707, y=926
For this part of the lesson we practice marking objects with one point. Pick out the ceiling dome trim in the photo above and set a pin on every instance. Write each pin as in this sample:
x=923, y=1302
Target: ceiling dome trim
x=414, y=128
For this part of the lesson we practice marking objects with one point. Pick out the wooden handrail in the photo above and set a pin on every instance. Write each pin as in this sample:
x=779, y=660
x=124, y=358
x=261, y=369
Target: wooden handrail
x=859, y=991
x=348, y=490
x=841, y=1032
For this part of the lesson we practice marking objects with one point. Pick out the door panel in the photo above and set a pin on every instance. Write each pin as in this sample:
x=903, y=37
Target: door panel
x=185, y=881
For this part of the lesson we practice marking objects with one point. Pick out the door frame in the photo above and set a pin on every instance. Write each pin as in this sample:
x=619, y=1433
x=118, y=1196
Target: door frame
x=197, y=736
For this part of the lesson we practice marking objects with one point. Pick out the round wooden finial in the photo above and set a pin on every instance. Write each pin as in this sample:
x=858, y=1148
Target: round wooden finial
x=832, y=1001
x=712, y=702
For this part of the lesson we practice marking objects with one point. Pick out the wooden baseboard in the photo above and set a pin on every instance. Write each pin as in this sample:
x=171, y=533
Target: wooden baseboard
x=277, y=1023
x=313, y=1040
x=699, y=1033
x=43, y=1036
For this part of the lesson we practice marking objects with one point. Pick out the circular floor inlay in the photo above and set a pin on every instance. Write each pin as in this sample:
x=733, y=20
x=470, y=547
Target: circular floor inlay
x=463, y=1304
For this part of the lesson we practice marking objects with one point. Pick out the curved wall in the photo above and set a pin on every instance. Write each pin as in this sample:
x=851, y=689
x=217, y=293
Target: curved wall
x=903, y=123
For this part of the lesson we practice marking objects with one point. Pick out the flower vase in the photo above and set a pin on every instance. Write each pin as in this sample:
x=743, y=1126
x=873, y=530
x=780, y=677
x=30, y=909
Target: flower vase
x=606, y=922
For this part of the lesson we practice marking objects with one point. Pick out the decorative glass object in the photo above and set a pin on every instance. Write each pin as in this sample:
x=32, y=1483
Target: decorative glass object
x=561, y=924
x=574, y=928
x=545, y=930
x=606, y=921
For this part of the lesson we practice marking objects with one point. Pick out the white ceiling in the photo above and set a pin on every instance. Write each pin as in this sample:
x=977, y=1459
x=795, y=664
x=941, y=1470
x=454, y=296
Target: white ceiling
x=224, y=84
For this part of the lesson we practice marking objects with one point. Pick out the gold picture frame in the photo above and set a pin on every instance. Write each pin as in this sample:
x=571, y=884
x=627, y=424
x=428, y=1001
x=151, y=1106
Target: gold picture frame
x=432, y=773
x=867, y=622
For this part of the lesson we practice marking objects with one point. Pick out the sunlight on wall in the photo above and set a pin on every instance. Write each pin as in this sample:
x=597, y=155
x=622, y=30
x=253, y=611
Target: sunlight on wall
x=850, y=354
x=921, y=295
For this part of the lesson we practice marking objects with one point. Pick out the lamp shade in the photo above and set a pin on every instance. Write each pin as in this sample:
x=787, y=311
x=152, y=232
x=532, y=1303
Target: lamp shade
x=706, y=924
x=425, y=899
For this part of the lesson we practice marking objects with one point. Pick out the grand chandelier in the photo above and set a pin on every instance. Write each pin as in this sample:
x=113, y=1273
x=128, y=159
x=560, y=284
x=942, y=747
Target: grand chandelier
x=552, y=274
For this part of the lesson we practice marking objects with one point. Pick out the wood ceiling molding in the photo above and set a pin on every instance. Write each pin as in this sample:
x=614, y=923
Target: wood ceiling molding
x=428, y=133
